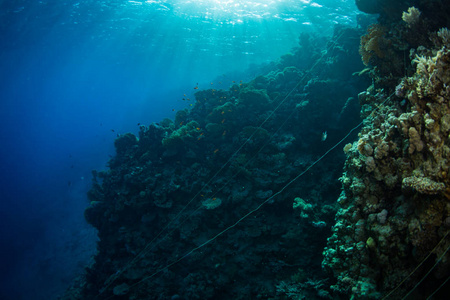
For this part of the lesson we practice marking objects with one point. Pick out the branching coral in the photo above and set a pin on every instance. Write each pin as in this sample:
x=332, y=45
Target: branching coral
x=433, y=74
x=412, y=16
x=444, y=34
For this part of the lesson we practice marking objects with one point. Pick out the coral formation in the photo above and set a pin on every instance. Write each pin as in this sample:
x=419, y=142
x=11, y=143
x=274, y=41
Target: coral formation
x=170, y=190
x=180, y=183
x=372, y=43
x=394, y=206
x=411, y=16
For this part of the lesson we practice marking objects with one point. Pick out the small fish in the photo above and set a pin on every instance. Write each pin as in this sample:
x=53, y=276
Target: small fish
x=224, y=132
x=184, y=95
x=196, y=88
x=324, y=136
x=173, y=109
x=112, y=130
x=215, y=151
x=223, y=121
x=222, y=112
x=198, y=128
x=138, y=124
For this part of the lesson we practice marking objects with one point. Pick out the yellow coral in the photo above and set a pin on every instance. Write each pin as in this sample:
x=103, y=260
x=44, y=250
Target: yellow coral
x=423, y=185
x=371, y=43
x=412, y=16
x=348, y=147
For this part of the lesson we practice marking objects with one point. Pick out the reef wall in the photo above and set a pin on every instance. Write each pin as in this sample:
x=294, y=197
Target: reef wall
x=181, y=182
x=394, y=208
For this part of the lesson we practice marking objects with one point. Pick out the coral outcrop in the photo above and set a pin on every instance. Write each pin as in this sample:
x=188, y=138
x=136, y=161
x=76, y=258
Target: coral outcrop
x=395, y=208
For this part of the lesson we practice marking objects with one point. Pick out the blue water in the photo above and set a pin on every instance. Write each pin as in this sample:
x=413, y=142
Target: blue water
x=74, y=74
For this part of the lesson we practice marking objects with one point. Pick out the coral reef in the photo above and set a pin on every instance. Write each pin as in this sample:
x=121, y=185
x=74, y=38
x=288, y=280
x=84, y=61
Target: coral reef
x=372, y=43
x=394, y=205
x=181, y=183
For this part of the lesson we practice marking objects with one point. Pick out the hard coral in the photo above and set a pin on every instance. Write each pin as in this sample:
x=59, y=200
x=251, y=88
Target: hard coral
x=423, y=185
x=412, y=16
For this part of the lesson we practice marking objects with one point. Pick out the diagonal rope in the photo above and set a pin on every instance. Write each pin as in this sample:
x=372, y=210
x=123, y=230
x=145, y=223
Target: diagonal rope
x=435, y=291
x=415, y=269
x=432, y=268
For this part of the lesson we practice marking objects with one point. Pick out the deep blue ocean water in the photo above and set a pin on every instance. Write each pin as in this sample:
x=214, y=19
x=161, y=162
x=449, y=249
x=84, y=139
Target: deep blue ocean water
x=74, y=74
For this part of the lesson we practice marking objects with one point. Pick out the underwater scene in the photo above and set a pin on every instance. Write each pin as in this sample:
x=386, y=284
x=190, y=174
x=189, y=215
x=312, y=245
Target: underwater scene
x=261, y=149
